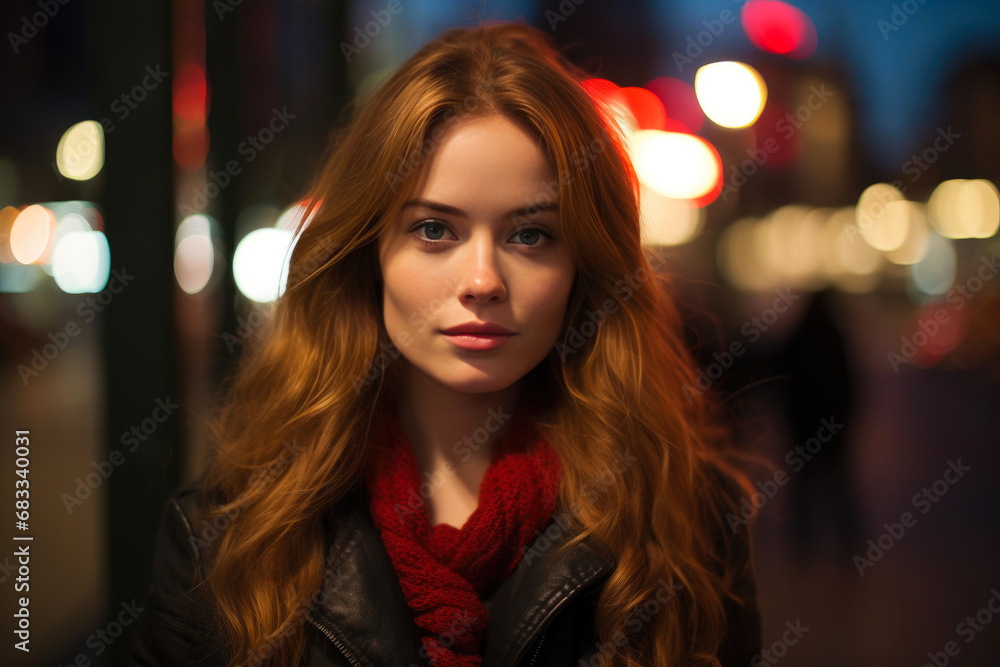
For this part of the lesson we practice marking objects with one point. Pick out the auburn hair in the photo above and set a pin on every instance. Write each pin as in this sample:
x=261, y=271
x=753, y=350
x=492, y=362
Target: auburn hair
x=293, y=428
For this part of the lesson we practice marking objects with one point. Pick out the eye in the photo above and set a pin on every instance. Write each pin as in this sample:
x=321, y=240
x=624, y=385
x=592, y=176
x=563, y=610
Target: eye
x=536, y=233
x=434, y=227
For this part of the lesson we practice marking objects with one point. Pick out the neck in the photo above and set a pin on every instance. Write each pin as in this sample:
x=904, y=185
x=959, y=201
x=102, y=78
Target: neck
x=452, y=428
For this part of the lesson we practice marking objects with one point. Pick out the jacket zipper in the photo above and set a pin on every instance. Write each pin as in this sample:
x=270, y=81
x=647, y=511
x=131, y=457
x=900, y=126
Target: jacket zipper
x=336, y=642
x=550, y=614
x=347, y=654
x=538, y=648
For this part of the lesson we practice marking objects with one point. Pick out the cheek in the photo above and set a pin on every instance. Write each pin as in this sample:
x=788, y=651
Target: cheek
x=410, y=299
x=398, y=293
x=548, y=298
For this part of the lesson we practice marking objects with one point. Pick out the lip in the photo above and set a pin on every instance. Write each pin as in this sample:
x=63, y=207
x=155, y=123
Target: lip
x=478, y=341
x=477, y=329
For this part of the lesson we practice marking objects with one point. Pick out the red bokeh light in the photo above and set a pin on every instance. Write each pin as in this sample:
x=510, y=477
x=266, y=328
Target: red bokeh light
x=644, y=105
x=191, y=93
x=777, y=27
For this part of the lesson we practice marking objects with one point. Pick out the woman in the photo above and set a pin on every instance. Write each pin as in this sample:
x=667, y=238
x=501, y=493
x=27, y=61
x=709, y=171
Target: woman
x=463, y=436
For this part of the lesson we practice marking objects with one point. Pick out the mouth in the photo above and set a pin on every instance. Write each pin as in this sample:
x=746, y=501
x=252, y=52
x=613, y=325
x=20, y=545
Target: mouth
x=477, y=329
x=477, y=341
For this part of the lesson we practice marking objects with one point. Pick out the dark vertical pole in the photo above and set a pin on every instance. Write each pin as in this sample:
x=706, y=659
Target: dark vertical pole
x=222, y=66
x=131, y=48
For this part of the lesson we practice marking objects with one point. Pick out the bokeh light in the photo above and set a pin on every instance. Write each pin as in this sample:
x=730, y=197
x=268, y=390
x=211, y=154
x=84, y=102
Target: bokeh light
x=31, y=234
x=81, y=262
x=731, y=94
x=778, y=27
x=80, y=152
x=789, y=243
x=677, y=166
x=961, y=208
x=258, y=264
x=67, y=223
x=880, y=232
x=190, y=96
x=194, y=253
x=798, y=246
x=911, y=218
x=935, y=273
x=848, y=254
x=645, y=106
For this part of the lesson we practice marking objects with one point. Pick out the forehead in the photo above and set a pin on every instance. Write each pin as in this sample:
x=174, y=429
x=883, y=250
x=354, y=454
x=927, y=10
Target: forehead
x=486, y=163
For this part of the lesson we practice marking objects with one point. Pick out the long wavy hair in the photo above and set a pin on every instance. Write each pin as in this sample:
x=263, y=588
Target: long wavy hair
x=293, y=426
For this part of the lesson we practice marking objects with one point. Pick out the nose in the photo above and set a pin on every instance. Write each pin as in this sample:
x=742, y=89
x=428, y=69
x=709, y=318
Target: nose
x=481, y=278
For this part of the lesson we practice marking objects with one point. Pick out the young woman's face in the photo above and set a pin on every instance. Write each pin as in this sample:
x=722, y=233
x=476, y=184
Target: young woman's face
x=483, y=244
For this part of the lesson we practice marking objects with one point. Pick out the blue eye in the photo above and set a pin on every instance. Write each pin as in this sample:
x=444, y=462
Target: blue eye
x=530, y=231
x=432, y=225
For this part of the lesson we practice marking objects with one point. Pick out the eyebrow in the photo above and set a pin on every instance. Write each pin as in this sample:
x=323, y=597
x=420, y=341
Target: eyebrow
x=451, y=210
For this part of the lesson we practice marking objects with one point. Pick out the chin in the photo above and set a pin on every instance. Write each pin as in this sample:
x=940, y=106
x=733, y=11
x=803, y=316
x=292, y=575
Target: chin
x=479, y=385
x=473, y=380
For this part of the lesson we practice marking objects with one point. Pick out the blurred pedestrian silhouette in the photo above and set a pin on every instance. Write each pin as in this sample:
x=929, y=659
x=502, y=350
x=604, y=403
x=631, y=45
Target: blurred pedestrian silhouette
x=819, y=395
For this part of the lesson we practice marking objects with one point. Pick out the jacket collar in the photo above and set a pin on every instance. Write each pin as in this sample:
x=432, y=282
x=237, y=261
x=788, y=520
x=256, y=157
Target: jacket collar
x=362, y=606
x=541, y=585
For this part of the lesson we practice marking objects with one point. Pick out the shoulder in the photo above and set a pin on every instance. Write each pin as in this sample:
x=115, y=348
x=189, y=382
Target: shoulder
x=175, y=618
x=182, y=505
x=183, y=515
x=182, y=534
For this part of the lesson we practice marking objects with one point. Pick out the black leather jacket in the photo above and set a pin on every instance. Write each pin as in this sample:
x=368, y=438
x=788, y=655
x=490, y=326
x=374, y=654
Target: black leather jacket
x=541, y=615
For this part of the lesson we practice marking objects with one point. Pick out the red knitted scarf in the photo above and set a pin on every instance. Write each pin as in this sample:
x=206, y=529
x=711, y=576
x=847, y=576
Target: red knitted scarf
x=445, y=572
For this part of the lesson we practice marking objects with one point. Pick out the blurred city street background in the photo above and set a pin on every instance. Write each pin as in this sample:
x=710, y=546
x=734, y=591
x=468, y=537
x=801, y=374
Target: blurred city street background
x=821, y=177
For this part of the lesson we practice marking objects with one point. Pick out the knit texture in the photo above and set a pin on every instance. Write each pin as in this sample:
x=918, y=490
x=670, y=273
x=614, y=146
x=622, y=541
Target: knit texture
x=445, y=572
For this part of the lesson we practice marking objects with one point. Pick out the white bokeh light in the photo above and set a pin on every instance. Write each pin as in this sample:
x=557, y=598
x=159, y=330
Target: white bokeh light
x=258, y=264
x=81, y=262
